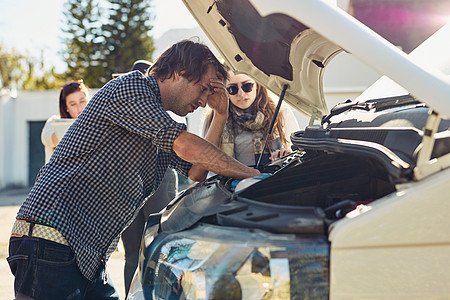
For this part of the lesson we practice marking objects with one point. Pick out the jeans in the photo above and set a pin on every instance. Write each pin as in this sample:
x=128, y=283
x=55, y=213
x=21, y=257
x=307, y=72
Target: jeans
x=45, y=269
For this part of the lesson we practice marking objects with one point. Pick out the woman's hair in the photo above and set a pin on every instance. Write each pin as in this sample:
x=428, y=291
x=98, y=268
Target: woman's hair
x=66, y=90
x=264, y=104
x=187, y=58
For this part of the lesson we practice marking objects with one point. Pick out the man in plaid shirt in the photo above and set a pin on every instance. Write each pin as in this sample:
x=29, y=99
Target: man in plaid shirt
x=110, y=160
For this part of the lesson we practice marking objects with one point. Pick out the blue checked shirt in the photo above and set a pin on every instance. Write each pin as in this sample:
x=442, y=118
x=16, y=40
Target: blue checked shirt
x=112, y=158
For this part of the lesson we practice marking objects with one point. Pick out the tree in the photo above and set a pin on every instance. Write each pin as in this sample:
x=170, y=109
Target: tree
x=25, y=72
x=10, y=67
x=127, y=34
x=105, y=37
x=85, y=44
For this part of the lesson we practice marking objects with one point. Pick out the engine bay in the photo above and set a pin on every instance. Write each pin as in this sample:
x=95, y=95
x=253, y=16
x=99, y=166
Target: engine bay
x=300, y=194
x=322, y=180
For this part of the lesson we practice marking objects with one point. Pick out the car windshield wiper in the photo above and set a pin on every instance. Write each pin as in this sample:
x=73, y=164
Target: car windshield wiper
x=391, y=102
x=342, y=107
x=272, y=123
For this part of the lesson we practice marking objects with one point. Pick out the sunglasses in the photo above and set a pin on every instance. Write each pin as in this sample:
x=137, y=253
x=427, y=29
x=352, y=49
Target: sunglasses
x=234, y=89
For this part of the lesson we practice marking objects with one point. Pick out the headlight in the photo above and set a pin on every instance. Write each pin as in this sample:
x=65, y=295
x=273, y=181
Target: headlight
x=212, y=262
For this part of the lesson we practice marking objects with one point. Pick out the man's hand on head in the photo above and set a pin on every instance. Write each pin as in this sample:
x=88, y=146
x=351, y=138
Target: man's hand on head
x=218, y=100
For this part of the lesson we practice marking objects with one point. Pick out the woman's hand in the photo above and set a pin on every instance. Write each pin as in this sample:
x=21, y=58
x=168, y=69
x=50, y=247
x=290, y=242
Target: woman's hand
x=55, y=139
x=279, y=153
x=218, y=100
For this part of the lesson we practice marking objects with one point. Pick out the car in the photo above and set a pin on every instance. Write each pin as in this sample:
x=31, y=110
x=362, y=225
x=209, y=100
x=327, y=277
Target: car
x=358, y=209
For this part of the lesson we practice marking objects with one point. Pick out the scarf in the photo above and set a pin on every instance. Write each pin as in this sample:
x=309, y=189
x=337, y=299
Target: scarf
x=250, y=120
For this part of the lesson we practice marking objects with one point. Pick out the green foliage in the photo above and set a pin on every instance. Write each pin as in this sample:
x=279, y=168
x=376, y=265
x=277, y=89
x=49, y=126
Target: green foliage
x=126, y=34
x=101, y=37
x=25, y=72
x=10, y=65
x=84, y=53
x=105, y=37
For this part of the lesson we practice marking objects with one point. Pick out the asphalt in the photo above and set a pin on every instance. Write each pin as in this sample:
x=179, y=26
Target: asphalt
x=10, y=201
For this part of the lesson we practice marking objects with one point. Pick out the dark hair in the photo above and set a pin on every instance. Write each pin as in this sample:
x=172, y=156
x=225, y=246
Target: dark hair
x=187, y=58
x=66, y=90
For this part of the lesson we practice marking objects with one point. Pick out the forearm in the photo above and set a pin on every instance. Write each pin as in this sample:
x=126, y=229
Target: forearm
x=215, y=130
x=215, y=160
x=206, y=156
x=48, y=136
x=55, y=139
x=214, y=136
x=49, y=139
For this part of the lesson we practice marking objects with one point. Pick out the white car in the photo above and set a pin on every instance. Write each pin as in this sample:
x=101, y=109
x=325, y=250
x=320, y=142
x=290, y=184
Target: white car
x=359, y=210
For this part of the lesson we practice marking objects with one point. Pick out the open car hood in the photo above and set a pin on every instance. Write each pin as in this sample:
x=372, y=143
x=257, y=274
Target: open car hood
x=290, y=42
x=276, y=49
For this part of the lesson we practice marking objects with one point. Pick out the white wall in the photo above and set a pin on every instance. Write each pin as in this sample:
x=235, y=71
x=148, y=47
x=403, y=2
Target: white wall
x=15, y=115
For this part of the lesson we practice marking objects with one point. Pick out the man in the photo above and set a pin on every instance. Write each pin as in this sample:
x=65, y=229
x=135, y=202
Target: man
x=112, y=158
x=131, y=236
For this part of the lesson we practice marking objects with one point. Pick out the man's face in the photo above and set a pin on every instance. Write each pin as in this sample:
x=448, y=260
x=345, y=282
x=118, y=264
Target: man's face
x=185, y=96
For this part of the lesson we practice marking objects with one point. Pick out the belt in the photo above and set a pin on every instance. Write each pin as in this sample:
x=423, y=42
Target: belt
x=37, y=230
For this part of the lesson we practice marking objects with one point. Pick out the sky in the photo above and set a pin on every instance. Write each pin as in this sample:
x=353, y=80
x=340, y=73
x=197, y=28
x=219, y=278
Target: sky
x=34, y=25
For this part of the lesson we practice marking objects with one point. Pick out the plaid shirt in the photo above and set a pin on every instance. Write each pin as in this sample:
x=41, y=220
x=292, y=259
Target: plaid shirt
x=112, y=158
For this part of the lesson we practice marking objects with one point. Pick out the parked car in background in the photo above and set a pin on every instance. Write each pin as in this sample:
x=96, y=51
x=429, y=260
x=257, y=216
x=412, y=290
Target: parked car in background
x=358, y=210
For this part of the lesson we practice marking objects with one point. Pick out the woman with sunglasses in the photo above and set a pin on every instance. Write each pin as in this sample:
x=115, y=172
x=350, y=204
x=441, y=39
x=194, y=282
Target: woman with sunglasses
x=73, y=98
x=249, y=114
